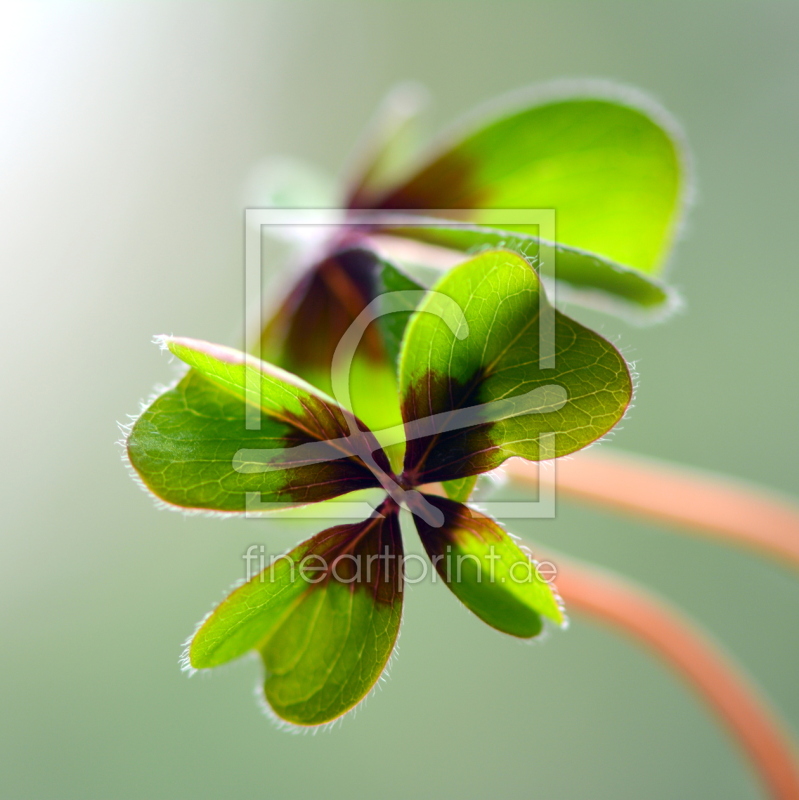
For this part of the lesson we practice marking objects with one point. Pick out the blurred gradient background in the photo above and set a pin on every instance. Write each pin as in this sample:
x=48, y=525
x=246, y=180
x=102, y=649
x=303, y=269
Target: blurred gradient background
x=129, y=137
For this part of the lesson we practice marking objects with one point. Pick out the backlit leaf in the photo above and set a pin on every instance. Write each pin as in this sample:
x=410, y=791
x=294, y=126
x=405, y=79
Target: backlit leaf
x=503, y=384
x=192, y=447
x=487, y=571
x=324, y=619
x=611, y=172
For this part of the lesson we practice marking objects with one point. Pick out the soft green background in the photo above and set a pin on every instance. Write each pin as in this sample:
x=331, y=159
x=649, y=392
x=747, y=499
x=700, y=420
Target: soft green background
x=127, y=135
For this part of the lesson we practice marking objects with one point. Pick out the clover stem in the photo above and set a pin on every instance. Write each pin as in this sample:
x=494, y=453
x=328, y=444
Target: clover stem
x=679, y=643
x=717, y=507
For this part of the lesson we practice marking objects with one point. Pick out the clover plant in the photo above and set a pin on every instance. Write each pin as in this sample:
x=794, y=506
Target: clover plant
x=450, y=372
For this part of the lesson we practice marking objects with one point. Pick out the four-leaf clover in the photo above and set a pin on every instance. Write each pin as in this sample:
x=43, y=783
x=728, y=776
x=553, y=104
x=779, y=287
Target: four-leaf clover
x=472, y=394
x=416, y=381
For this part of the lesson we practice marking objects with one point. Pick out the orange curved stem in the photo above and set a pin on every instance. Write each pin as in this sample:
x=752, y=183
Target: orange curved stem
x=718, y=507
x=677, y=641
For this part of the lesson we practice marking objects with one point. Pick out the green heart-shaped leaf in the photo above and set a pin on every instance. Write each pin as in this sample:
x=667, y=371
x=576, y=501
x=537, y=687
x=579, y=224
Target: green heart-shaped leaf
x=324, y=617
x=192, y=447
x=611, y=172
x=487, y=571
x=504, y=383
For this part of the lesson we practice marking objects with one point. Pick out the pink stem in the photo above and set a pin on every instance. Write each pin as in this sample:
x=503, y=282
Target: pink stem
x=709, y=672
x=718, y=507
